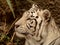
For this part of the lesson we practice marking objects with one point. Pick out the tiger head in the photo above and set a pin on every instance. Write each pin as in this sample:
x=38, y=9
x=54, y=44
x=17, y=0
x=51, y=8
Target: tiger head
x=31, y=21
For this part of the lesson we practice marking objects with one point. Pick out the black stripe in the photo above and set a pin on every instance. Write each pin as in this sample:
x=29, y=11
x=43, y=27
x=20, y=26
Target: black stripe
x=27, y=26
x=39, y=28
x=35, y=25
x=53, y=42
x=38, y=33
x=40, y=24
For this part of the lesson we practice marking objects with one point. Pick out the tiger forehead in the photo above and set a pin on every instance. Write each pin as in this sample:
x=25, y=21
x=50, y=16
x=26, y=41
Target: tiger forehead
x=34, y=13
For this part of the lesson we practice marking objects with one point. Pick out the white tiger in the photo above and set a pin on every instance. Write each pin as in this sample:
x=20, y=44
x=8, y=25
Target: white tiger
x=38, y=27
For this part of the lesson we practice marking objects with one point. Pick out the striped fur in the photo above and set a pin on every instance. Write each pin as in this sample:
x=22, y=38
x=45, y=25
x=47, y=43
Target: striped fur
x=37, y=27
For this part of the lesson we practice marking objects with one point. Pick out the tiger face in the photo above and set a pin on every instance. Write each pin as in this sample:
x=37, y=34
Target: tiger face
x=31, y=21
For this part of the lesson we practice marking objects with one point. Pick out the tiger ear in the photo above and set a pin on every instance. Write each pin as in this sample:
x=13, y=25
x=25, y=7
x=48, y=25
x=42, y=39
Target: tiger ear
x=46, y=14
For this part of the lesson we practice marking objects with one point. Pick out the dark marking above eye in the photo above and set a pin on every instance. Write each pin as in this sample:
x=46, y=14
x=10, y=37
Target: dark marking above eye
x=32, y=16
x=36, y=16
x=33, y=12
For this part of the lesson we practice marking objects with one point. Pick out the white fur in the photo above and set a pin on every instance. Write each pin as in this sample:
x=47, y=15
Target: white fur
x=48, y=30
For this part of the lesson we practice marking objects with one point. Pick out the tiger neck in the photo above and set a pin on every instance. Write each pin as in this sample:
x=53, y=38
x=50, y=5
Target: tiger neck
x=53, y=32
x=32, y=40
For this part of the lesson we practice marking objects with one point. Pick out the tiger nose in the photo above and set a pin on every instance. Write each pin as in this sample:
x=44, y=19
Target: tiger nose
x=16, y=26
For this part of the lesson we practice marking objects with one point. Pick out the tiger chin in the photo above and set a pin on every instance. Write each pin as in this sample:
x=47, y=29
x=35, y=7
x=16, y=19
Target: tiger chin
x=37, y=27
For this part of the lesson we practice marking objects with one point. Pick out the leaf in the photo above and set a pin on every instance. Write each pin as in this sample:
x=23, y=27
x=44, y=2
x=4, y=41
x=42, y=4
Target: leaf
x=10, y=6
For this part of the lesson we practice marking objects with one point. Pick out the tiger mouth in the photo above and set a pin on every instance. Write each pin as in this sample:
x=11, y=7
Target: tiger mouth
x=19, y=35
x=23, y=33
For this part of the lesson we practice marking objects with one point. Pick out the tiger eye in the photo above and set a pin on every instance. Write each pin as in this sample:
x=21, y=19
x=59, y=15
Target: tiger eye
x=31, y=12
x=31, y=26
x=36, y=16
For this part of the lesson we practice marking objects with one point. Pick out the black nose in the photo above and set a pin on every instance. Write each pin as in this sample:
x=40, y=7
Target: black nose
x=16, y=26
